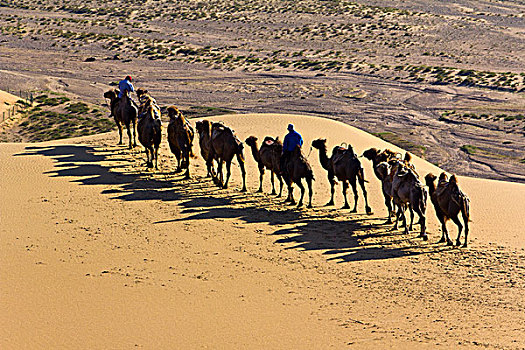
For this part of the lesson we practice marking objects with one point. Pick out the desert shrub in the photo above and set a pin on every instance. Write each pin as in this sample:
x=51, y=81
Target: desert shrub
x=44, y=100
x=78, y=108
x=469, y=149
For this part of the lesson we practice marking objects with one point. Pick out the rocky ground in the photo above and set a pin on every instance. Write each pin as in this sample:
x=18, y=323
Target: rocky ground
x=443, y=80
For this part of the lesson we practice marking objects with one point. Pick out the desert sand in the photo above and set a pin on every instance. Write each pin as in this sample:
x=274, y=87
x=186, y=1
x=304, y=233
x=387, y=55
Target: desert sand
x=98, y=252
x=7, y=102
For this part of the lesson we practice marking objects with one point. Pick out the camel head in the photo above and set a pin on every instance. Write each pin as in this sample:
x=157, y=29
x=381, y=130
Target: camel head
x=371, y=153
x=141, y=92
x=383, y=169
x=319, y=143
x=250, y=141
x=443, y=177
x=111, y=94
x=430, y=178
x=203, y=126
x=173, y=112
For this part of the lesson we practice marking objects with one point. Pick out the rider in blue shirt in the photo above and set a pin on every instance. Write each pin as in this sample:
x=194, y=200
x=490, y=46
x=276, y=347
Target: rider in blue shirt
x=125, y=85
x=292, y=139
x=290, y=143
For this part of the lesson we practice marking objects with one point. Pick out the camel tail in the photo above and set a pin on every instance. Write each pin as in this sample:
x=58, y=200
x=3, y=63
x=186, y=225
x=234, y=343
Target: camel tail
x=465, y=208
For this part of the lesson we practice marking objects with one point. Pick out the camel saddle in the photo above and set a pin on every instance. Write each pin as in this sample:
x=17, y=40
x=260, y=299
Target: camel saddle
x=218, y=128
x=269, y=141
x=339, y=152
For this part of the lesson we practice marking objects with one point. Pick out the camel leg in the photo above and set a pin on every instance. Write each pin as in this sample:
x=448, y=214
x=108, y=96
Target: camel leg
x=179, y=160
x=290, y=194
x=261, y=174
x=411, y=210
x=332, y=189
x=345, y=188
x=273, y=183
x=460, y=228
x=134, y=131
x=388, y=203
x=398, y=214
x=219, y=173
x=356, y=196
x=228, y=173
x=128, y=130
x=119, y=125
x=445, y=237
x=156, y=158
x=405, y=222
x=280, y=178
x=243, y=172
x=151, y=155
x=422, y=221
x=146, y=150
x=310, y=192
x=187, y=175
x=362, y=184
x=465, y=220
x=300, y=185
x=211, y=173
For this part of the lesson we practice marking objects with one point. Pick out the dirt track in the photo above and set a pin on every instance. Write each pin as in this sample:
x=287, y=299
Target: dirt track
x=377, y=68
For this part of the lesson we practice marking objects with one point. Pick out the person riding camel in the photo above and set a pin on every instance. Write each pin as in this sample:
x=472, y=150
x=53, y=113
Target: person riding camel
x=125, y=86
x=290, y=143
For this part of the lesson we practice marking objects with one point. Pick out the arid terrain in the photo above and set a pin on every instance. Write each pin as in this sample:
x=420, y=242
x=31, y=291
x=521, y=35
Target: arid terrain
x=444, y=80
x=99, y=252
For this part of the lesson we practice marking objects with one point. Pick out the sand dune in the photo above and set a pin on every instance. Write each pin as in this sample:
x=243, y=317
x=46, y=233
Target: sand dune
x=7, y=101
x=97, y=252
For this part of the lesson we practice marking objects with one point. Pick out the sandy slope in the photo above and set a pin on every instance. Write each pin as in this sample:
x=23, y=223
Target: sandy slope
x=99, y=253
x=7, y=100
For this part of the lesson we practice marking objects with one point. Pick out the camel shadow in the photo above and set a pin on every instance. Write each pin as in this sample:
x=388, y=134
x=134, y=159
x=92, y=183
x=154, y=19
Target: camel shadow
x=356, y=238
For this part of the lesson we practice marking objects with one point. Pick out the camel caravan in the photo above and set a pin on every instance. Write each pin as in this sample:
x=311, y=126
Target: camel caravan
x=401, y=185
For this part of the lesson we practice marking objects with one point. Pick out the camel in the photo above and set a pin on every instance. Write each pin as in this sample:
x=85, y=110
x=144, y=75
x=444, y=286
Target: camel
x=268, y=156
x=150, y=134
x=224, y=146
x=124, y=113
x=180, y=139
x=407, y=190
x=298, y=168
x=204, y=129
x=377, y=157
x=449, y=201
x=344, y=165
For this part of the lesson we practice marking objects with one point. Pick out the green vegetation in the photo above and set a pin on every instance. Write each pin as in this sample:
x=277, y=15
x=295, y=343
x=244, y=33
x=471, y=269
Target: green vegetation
x=78, y=108
x=44, y=100
x=203, y=111
x=45, y=122
x=469, y=149
x=402, y=143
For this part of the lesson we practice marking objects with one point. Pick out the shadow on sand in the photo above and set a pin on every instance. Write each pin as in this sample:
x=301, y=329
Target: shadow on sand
x=360, y=237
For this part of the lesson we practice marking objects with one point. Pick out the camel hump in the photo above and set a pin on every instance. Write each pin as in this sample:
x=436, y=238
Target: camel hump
x=340, y=151
x=268, y=140
x=453, y=179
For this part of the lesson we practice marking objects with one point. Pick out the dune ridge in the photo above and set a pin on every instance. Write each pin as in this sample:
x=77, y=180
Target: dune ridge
x=99, y=252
